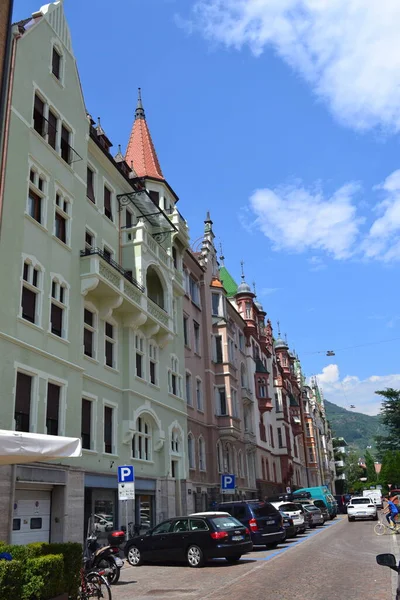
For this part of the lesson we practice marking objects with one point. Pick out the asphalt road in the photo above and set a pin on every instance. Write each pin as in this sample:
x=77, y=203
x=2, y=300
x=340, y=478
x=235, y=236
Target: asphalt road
x=334, y=562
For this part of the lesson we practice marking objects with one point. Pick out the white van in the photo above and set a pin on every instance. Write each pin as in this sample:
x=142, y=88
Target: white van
x=375, y=495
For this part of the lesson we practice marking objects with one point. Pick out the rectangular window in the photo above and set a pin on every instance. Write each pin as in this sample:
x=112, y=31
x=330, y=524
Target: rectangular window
x=53, y=408
x=86, y=424
x=65, y=144
x=35, y=206
x=108, y=429
x=174, y=385
x=221, y=397
x=194, y=291
x=107, y=254
x=196, y=328
x=139, y=365
x=89, y=333
x=241, y=342
x=56, y=320
x=30, y=293
x=231, y=351
x=271, y=433
x=90, y=184
x=107, y=203
x=215, y=304
x=52, y=130
x=56, y=63
x=38, y=116
x=199, y=395
x=218, y=349
x=60, y=227
x=155, y=196
x=186, y=283
x=128, y=219
x=110, y=344
x=153, y=360
x=188, y=389
x=235, y=408
x=89, y=240
x=280, y=441
x=311, y=455
x=23, y=394
x=186, y=330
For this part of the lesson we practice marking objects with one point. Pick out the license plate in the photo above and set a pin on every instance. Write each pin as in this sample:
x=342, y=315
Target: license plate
x=237, y=538
x=270, y=522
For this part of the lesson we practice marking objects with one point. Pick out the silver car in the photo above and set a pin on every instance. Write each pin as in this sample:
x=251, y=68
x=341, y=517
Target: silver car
x=316, y=514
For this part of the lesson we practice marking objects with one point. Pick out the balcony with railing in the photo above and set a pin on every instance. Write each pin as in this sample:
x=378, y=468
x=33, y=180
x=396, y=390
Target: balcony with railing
x=179, y=221
x=113, y=289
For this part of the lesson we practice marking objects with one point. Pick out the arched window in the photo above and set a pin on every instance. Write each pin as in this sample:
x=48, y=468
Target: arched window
x=31, y=295
x=155, y=290
x=191, y=452
x=141, y=441
x=220, y=458
x=202, y=454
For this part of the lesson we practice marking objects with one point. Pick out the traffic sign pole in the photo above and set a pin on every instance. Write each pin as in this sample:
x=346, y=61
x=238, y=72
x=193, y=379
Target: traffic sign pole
x=126, y=488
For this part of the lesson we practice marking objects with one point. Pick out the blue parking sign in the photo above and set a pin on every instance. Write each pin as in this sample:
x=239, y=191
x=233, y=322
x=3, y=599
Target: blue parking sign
x=228, y=483
x=126, y=474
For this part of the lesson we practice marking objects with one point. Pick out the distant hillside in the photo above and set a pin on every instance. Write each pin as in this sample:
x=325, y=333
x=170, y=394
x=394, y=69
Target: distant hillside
x=357, y=429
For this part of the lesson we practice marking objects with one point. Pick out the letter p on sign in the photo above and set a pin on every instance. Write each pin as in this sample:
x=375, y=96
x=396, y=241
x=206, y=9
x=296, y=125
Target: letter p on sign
x=126, y=474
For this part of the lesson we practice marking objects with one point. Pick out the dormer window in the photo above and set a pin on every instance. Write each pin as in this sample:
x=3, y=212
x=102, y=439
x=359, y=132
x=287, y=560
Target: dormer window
x=56, y=63
x=155, y=196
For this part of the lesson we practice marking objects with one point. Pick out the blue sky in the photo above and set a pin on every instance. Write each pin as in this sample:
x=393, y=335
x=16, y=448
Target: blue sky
x=281, y=117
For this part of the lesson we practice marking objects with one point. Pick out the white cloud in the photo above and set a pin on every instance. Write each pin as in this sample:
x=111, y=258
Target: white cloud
x=297, y=219
x=352, y=390
x=348, y=50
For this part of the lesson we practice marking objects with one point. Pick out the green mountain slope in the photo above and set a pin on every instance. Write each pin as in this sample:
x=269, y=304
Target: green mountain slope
x=357, y=429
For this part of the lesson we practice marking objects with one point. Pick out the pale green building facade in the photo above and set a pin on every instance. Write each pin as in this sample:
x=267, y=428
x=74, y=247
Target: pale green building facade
x=91, y=339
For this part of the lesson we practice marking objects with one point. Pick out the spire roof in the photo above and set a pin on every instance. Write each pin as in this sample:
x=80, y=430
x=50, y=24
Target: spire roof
x=140, y=150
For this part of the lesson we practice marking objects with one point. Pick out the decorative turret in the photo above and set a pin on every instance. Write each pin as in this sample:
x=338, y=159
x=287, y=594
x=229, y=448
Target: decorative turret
x=140, y=150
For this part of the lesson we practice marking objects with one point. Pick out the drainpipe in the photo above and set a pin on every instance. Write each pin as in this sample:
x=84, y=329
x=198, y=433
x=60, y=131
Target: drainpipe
x=7, y=112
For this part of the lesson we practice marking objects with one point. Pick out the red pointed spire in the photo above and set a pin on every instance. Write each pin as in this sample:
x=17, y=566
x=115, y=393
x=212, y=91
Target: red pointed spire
x=140, y=150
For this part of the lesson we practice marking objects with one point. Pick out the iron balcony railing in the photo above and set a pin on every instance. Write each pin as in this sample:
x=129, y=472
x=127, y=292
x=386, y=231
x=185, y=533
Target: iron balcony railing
x=115, y=265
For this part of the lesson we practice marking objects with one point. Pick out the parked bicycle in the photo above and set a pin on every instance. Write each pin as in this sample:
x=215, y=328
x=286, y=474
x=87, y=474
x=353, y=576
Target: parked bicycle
x=94, y=585
x=383, y=527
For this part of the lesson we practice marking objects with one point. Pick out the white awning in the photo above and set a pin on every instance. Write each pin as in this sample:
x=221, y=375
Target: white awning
x=21, y=447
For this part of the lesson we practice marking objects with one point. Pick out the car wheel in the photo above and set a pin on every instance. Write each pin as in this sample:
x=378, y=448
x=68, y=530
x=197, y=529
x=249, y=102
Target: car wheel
x=350, y=519
x=195, y=557
x=134, y=556
x=233, y=559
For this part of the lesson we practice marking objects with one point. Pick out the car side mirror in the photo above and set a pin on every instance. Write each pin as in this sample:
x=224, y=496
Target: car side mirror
x=387, y=560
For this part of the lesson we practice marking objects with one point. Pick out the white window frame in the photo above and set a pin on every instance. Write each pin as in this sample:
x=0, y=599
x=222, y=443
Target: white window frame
x=38, y=290
x=186, y=285
x=114, y=429
x=140, y=348
x=95, y=184
x=176, y=442
x=94, y=329
x=66, y=215
x=112, y=340
x=139, y=434
x=219, y=312
x=39, y=173
x=60, y=283
x=218, y=406
x=199, y=394
x=154, y=359
x=63, y=385
x=173, y=371
x=107, y=184
x=57, y=46
x=94, y=236
x=234, y=402
x=93, y=420
x=194, y=285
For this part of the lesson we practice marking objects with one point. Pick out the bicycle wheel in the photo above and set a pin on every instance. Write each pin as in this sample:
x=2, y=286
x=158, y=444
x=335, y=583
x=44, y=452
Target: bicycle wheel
x=380, y=528
x=97, y=586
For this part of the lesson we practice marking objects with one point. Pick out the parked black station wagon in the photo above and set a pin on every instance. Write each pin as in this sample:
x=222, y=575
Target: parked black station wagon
x=194, y=538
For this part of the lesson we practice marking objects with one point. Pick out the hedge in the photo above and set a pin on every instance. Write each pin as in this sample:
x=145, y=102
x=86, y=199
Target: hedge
x=40, y=571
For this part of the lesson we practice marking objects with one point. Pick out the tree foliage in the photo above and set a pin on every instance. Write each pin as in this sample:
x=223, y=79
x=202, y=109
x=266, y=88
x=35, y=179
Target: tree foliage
x=390, y=418
x=370, y=466
x=390, y=470
x=353, y=470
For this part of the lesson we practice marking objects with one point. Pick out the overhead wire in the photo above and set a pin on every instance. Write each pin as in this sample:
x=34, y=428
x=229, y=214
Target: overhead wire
x=356, y=346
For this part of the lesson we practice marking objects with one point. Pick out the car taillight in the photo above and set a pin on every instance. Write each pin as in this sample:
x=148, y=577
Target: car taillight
x=219, y=535
x=253, y=525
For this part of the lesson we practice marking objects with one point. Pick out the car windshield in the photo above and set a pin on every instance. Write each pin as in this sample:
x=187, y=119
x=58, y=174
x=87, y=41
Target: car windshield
x=360, y=501
x=263, y=510
x=226, y=522
x=319, y=503
x=290, y=506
